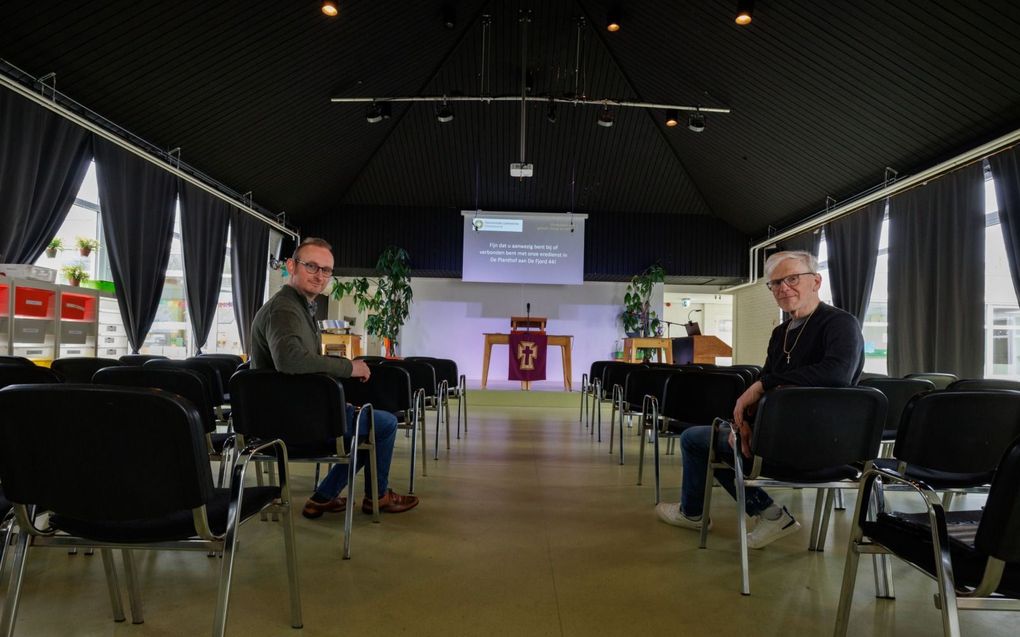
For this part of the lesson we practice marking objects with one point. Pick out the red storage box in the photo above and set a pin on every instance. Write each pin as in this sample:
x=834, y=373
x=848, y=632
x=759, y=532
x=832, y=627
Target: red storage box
x=5, y=298
x=34, y=302
x=77, y=307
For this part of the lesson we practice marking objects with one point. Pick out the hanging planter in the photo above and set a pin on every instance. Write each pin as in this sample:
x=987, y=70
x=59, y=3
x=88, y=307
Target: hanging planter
x=54, y=245
x=86, y=245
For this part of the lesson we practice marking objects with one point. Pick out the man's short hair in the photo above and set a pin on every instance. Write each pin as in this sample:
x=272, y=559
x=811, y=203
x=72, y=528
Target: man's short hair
x=809, y=260
x=311, y=241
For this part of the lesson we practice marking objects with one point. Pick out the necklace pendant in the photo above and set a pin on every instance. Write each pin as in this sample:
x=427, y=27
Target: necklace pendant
x=787, y=359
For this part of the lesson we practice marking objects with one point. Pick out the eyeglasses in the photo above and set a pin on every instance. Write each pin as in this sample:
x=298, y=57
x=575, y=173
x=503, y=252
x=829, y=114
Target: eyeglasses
x=312, y=268
x=790, y=281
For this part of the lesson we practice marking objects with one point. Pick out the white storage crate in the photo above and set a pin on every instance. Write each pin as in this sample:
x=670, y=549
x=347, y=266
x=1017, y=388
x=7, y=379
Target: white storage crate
x=28, y=271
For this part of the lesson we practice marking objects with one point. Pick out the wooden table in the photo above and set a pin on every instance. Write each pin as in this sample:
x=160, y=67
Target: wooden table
x=561, y=341
x=631, y=345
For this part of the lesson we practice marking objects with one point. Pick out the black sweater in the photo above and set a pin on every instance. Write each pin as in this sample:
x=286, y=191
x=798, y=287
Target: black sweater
x=830, y=352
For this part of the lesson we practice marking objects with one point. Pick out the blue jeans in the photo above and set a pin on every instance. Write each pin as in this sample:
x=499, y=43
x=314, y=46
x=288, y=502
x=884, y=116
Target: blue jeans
x=385, y=435
x=694, y=445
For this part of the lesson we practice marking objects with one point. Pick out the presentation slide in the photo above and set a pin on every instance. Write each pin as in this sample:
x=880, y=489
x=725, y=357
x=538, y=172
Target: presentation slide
x=524, y=247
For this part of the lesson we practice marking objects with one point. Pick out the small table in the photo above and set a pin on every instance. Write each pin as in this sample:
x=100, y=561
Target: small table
x=631, y=345
x=561, y=341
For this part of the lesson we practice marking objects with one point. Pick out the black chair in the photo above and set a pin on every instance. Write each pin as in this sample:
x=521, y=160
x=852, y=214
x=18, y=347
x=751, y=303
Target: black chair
x=691, y=399
x=205, y=369
x=18, y=375
x=370, y=359
x=423, y=384
x=187, y=384
x=974, y=556
x=234, y=358
x=803, y=437
x=639, y=385
x=130, y=498
x=940, y=379
x=614, y=380
x=590, y=382
x=309, y=413
x=389, y=389
x=870, y=375
x=452, y=384
x=140, y=359
x=754, y=369
x=898, y=391
x=979, y=425
x=16, y=361
x=225, y=366
x=971, y=384
x=81, y=369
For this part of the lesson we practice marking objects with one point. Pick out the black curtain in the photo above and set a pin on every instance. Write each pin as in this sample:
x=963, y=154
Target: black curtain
x=809, y=241
x=853, y=249
x=936, y=276
x=249, y=260
x=204, y=223
x=1006, y=174
x=43, y=160
x=137, y=201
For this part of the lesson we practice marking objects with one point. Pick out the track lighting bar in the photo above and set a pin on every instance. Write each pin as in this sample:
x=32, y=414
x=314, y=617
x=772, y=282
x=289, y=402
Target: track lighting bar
x=530, y=98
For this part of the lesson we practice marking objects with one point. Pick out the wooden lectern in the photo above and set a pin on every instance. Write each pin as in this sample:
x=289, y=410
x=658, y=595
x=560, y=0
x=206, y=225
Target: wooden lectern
x=699, y=349
x=520, y=323
x=343, y=345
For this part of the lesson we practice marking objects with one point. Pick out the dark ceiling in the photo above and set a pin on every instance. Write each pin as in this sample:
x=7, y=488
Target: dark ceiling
x=824, y=96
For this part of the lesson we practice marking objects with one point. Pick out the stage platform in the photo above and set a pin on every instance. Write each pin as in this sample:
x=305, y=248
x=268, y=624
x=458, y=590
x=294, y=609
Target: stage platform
x=508, y=394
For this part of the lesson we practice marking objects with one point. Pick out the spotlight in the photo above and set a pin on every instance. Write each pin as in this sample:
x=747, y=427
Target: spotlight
x=672, y=119
x=444, y=114
x=330, y=8
x=696, y=122
x=605, y=117
x=377, y=112
x=744, y=10
x=449, y=15
x=550, y=113
x=613, y=19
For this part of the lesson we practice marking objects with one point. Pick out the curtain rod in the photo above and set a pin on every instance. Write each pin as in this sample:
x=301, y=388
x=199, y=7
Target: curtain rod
x=968, y=157
x=97, y=130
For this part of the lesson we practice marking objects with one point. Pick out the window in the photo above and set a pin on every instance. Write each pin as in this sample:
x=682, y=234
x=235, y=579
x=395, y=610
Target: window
x=1002, y=314
x=170, y=333
x=83, y=221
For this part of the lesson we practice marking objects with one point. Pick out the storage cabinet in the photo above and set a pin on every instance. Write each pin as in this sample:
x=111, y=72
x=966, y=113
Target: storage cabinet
x=43, y=321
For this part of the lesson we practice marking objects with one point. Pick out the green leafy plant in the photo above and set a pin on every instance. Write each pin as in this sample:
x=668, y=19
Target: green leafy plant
x=637, y=316
x=75, y=273
x=55, y=244
x=86, y=245
x=391, y=299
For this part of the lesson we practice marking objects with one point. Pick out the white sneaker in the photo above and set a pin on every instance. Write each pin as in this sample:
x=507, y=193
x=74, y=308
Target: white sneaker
x=768, y=531
x=671, y=514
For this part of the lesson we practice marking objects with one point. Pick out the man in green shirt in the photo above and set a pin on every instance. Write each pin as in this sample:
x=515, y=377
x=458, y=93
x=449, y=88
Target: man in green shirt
x=285, y=338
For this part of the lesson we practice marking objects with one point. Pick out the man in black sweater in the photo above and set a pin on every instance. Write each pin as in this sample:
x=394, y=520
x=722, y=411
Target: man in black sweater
x=818, y=346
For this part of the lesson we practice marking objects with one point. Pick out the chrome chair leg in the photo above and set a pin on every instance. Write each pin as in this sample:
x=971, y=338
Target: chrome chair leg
x=846, y=592
x=816, y=518
x=10, y=612
x=134, y=592
x=112, y=585
x=823, y=530
x=738, y=470
x=884, y=588
x=840, y=504
x=291, y=557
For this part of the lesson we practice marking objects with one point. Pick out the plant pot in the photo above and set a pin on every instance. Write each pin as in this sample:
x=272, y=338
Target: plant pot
x=75, y=282
x=85, y=251
x=390, y=347
x=51, y=253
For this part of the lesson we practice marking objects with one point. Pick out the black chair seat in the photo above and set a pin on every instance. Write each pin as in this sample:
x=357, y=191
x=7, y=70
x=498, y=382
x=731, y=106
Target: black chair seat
x=909, y=536
x=172, y=527
x=939, y=479
x=826, y=474
x=218, y=440
x=680, y=426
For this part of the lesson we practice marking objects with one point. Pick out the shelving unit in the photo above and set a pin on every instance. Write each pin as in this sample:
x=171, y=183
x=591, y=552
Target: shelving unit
x=43, y=321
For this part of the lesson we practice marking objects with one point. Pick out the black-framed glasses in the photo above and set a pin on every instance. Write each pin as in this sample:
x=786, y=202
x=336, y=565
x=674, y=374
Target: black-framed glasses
x=790, y=280
x=312, y=268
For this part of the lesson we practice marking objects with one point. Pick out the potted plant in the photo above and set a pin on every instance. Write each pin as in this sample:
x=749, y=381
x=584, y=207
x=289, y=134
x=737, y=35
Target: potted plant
x=86, y=245
x=391, y=299
x=75, y=273
x=638, y=318
x=55, y=244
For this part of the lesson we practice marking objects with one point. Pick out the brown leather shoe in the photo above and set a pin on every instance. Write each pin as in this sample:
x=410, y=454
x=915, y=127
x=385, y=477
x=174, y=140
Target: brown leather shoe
x=391, y=502
x=315, y=509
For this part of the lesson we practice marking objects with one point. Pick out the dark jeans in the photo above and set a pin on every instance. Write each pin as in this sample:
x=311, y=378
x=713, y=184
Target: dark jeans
x=694, y=446
x=385, y=435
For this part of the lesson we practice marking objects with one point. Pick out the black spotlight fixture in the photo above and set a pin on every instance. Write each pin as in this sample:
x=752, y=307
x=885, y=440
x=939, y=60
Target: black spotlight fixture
x=444, y=113
x=696, y=122
x=744, y=10
x=606, y=117
x=377, y=112
x=550, y=113
x=672, y=119
x=330, y=8
x=613, y=19
x=449, y=16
